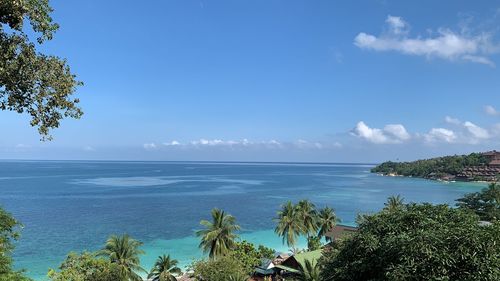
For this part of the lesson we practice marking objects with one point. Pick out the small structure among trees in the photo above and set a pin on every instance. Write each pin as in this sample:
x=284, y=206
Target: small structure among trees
x=340, y=231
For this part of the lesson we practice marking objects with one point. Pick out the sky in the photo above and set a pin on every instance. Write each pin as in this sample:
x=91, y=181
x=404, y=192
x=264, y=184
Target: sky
x=269, y=80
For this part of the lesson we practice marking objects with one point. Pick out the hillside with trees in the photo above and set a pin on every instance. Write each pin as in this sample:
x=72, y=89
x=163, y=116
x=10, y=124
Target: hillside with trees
x=446, y=168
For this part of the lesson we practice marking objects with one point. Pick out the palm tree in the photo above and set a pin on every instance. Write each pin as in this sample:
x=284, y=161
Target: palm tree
x=164, y=269
x=238, y=277
x=394, y=203
x=326, y=221
x=492, y=193
x=310, y=271
x=217, y=239
x=295, y=250
x=308, y=216
x=289, y=225
x=124, y=252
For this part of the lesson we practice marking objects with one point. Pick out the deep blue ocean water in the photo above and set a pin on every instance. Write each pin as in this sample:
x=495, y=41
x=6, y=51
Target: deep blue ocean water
x=72, y=206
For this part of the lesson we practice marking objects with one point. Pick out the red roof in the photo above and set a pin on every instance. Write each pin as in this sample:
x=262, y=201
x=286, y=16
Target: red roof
x=340, y=231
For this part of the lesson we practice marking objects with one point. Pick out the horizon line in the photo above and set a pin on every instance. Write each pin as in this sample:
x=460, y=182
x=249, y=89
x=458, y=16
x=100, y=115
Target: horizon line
x=190, y=161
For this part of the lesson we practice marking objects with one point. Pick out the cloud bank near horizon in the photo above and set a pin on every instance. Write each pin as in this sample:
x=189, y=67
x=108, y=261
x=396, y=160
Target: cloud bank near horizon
x=455, y=132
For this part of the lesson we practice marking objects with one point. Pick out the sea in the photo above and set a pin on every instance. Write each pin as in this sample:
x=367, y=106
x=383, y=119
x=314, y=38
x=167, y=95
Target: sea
x=69, y=206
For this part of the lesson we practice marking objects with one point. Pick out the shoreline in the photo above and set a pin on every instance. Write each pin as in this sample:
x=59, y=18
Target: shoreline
x=433, y=179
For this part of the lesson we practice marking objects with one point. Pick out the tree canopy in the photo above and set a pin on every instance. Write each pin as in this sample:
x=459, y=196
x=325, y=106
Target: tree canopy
x=418, y=242
x=223, y=268
x=164, y=269
x=218, y=237
x=431, y=168
x=8, y=234
x=86, y=267
x=486, y=203
x=31, y=82
x=249, y=256
x=292, y=221
x=124, y=252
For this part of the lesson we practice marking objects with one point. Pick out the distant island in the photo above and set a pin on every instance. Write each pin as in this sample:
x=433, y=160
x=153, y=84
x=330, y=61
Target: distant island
x=473, y=167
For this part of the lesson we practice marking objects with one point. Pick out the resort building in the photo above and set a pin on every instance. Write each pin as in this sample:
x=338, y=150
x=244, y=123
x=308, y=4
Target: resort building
x=292, y=265
x=493, y=158
x=267, y=268
x=340, y=231
x=488, y=172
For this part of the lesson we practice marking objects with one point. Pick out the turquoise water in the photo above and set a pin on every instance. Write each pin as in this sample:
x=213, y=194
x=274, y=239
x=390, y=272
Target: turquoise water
x=73, y=206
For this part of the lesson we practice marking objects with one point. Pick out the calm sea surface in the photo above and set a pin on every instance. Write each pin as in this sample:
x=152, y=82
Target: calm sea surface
x=73, y=206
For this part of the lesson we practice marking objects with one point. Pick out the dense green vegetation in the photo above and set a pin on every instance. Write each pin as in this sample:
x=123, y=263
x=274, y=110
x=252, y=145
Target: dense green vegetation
x=486, y=203
x=310, y=271
x=431, y=168
x=86, y=267
x=9, y=232
x=249, y=256
x=30, y=82
x=223, y=268
x=119, y=260
x=418, y=242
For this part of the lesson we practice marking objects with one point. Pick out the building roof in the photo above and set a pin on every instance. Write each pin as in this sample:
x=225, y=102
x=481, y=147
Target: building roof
x=289, y=269
x=282, y=256
x=266, y=264
x=491, y=153
x=495, y=162
x=340, y=231
x=312, y=256
x=262, y=271
x=293, y=263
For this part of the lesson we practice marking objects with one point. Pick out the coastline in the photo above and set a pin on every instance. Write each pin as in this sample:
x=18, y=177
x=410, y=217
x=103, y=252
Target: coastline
x=433, y=179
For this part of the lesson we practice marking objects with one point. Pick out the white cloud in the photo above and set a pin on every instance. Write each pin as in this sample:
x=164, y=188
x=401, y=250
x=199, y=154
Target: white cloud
x=466, y=132
x=469, y=132
x=275, y=142
x=461, y=133
x=476, y=132
x=440, y=135
x=490, y=110
x=204, y=143
x=478, y=59
x=303, y=144
x=396, y=24
x=373, y=135
x=172, y=143
x=398, y=131
x=392, y=133
x=214, y=142
x=149, y=146
x=447, y=44
x=222, y=143
x=452, y=120
x=496, y=130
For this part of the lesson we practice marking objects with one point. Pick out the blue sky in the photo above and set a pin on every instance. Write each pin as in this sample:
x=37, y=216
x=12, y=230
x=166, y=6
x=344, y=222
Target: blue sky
x=336, y=81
